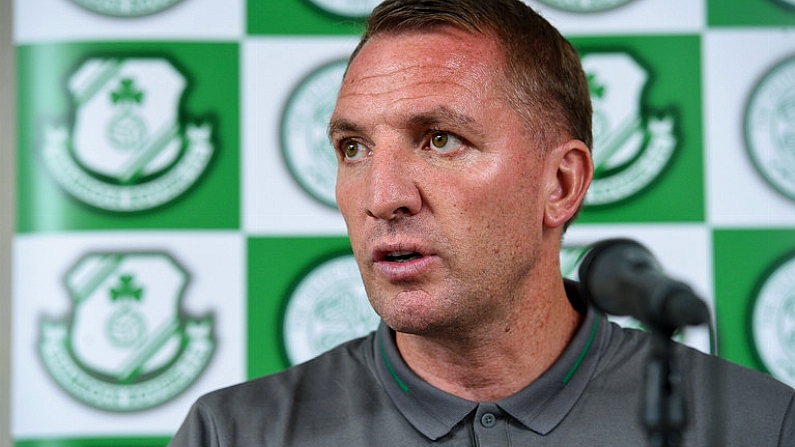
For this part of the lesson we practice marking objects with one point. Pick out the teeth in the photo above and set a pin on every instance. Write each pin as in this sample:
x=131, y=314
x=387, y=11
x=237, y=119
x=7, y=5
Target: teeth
x=402, y=256
x=397, y=254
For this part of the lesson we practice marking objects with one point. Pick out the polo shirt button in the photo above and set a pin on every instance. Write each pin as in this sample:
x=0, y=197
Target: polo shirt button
x=488, y=420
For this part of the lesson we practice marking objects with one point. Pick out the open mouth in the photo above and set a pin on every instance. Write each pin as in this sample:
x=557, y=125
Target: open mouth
x=402, y=256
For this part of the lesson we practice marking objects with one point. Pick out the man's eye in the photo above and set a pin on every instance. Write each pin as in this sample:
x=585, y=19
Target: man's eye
x=352, y=150
x=444, y=141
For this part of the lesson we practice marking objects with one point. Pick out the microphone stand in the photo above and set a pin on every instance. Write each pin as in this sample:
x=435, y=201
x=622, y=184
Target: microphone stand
x=622, y=277
x=663, y=413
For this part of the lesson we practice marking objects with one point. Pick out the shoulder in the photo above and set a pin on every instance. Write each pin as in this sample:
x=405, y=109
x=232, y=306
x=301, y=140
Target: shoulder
x=630, y=349
x=334, y=399
x=751, y=407
x=321, y=376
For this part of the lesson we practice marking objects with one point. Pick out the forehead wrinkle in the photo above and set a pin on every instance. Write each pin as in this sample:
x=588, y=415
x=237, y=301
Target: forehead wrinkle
x=394, y=79
x=402, y=89
x=384, y=75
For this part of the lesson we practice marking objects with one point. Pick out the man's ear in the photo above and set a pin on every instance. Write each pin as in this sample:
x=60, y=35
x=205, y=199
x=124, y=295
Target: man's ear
x=568, y=174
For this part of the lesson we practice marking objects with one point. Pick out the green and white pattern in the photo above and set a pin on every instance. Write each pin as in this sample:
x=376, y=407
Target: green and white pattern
x=126, y=345
x=126, y=150
x=327, y=307
x=586, y=6
x=304, y=131
x=770, y=127
x=347, y=8
x=177, y=230
x=630, y=149
x=126, y=8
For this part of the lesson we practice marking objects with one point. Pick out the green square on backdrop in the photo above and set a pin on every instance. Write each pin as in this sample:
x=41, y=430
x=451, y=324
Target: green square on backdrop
x=751, y=13
x=275, y=266
x=128, y=135
x=744, y=262
x=299, y=17
x=651, y=124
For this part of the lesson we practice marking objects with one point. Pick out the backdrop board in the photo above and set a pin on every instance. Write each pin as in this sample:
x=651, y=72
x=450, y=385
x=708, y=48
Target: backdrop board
x=177, y=230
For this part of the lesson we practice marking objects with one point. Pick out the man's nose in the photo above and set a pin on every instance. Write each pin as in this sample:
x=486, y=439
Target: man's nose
x=392, y=189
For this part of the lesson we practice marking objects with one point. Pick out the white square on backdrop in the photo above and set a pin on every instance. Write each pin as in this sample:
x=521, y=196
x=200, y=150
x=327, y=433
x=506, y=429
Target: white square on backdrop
x=274, y=201
x=630, y=17
x=735, y=61
x=215, y=287
x=64, y=20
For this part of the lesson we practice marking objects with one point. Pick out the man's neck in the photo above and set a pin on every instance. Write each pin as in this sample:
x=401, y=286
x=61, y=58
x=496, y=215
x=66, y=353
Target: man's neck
x=495, y=361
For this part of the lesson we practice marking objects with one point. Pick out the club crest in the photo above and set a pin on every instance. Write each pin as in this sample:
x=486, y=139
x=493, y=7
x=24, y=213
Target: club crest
x=770, y=127
x=126, y=345
x=585, y=6
x=126, y=8
x=304, y=139
x=630, y=149
x=773, y=322
x=329, y=306
x=127, y=149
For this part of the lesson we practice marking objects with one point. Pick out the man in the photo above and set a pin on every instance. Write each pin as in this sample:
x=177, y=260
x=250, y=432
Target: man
x=462, y=131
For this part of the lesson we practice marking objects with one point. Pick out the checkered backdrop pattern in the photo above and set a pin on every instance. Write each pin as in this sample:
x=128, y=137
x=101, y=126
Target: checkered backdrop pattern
x=176, y=226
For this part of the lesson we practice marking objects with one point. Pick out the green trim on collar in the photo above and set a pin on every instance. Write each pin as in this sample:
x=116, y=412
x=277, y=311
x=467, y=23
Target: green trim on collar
x=389, y=365
x=582, y=354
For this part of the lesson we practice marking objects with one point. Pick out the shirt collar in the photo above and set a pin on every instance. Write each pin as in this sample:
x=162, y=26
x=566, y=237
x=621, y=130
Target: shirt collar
x=543, y=404
x=430, y=410
x=540, y=406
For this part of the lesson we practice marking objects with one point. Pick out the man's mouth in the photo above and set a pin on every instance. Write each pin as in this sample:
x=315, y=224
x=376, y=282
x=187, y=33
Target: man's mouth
x=401, y=256
x=403, y=262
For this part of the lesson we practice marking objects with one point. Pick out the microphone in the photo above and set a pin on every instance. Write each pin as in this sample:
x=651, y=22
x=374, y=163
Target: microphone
x=622, y=277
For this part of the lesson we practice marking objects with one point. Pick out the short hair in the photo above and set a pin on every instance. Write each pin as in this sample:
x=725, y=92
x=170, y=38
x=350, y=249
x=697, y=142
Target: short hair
x=546, y=84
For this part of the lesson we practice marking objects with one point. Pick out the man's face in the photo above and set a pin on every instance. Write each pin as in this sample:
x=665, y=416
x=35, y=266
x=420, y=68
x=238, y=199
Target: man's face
x=439, y=183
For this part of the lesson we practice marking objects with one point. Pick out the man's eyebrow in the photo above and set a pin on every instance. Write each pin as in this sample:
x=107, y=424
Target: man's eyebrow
x=442, y=116
x=338, y=126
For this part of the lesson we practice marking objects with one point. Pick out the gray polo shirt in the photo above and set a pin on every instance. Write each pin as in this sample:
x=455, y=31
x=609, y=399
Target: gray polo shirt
x=535, y=410
x=363, y=394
